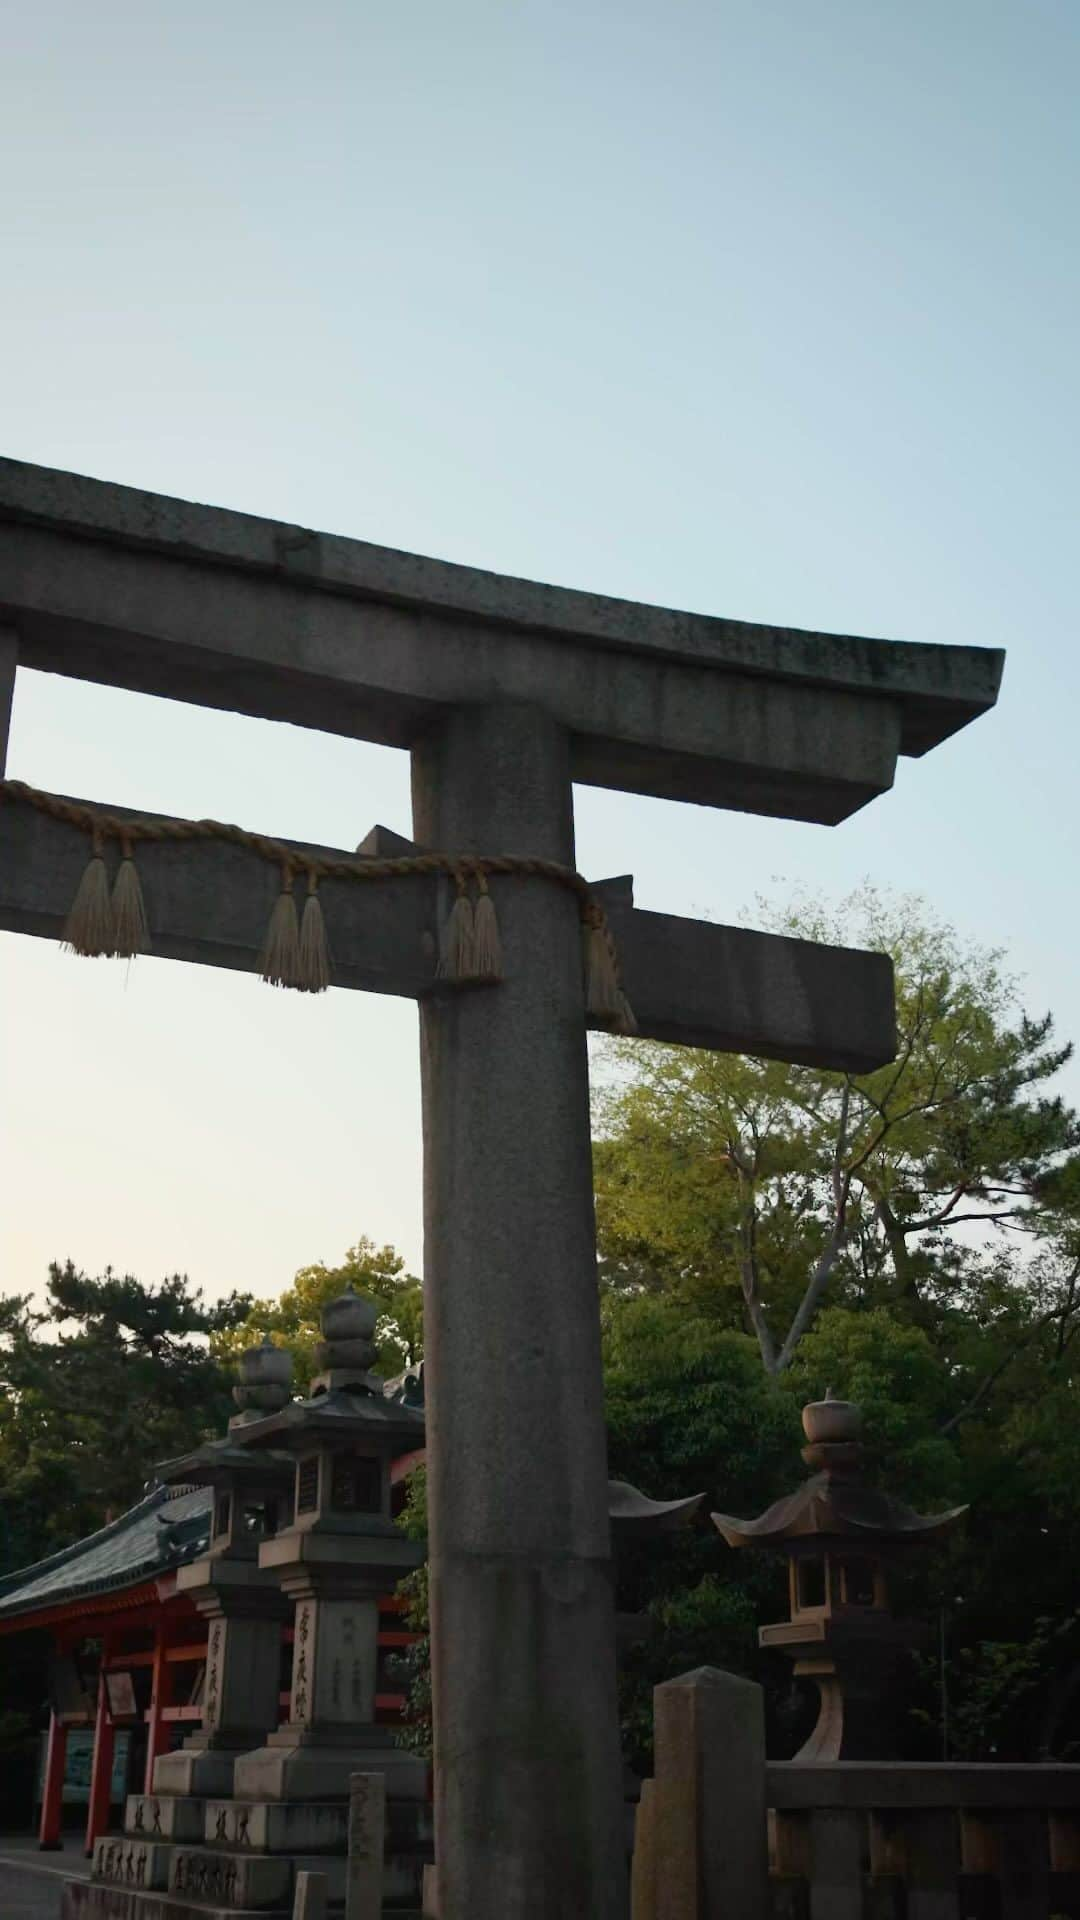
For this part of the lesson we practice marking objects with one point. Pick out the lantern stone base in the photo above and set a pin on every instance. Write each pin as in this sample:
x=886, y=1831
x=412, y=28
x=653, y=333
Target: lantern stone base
x=178, y=1859
x=276, y=1826
x=247, y=1881
x=131, y=1863
x=859, y=1669
x=161, y=1816
x=177, y=1882
x=196, y=1774
x=313, y=1827
x=315, y=1764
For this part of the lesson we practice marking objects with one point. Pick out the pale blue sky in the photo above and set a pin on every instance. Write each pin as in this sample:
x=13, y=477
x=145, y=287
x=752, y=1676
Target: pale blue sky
x=766, y=309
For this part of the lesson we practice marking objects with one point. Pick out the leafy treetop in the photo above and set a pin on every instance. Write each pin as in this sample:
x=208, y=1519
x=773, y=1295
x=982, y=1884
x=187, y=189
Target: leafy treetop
x=292, y=1319
x=97, y=1385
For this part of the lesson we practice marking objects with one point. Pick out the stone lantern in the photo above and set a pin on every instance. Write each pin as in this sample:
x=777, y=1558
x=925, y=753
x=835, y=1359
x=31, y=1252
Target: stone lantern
x=340, y=1553
x=241, y=1601
x=841, y=1537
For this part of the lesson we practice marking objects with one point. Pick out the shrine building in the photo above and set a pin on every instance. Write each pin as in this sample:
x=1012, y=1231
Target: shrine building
x=128, y=1651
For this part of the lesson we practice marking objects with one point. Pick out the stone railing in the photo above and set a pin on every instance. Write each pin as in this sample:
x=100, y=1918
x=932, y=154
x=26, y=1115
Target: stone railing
x=721, y=1832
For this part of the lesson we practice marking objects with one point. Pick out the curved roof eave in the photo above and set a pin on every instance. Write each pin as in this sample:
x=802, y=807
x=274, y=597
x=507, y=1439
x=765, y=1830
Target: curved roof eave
x=55, y=1580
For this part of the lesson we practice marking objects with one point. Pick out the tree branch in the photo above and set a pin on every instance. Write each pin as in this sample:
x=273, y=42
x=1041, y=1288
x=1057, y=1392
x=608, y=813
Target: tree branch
x=841, y=1188
x=748, y=1272
x=1060, y=1313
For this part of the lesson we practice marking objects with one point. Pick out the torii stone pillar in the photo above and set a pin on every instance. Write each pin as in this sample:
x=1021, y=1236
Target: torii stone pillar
x=503, y=691
x=529, y=1813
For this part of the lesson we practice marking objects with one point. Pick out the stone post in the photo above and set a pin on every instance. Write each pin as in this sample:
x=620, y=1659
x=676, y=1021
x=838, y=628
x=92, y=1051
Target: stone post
x=707, y=1812
x=643, y=1890
x=528, y=1805
x=243, y=1675
x=367, y=1845
x=311, y=1896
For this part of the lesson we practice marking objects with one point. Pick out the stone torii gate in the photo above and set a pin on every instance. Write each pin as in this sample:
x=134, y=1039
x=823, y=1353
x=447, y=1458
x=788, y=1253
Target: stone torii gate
x=504, y=692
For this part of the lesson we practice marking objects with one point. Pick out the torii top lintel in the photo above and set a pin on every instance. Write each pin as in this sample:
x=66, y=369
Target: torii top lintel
x=142, y=591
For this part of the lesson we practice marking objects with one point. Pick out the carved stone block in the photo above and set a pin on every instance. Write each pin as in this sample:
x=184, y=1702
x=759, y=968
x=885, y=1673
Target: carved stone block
x=128, y=1863
x=229, y=1880
x=164, y=1816
x=268, y=1826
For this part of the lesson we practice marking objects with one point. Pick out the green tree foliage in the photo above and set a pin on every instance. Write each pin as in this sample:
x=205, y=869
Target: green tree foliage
x=689, y=1407
x=755, y=1191
x=103, y=1380
x=292, y=1319
x=689, y=1410
x=908, y=1238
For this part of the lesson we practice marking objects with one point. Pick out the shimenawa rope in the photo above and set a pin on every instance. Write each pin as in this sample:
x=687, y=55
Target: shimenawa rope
x=296, y=951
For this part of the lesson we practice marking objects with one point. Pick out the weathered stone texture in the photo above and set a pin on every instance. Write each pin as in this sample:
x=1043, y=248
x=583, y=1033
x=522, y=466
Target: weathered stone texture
x=130, y=1862
x=527, y=1778
x=154, y=1816
x=219, y=607
x=707, y=1811
x=367, y=1843
x=311, y=1897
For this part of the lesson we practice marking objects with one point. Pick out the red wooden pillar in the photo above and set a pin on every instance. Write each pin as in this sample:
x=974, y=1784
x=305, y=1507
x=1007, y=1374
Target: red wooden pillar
x=97, y=1817
x=157, y=1730
x=52, y=1792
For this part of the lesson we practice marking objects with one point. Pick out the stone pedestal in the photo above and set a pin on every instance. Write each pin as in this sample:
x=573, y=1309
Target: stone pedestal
x=165, y=1817
x=335, y=1581
x=245, y=1610
x=228, y=1857
x=860, y=1679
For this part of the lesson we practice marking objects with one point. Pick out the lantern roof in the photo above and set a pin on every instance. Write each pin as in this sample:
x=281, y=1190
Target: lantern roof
x=218, y=1463
x=334, y=1414
x=836, y=1503
x=345, y=1396
x=631, y=1511
x=834, y=1507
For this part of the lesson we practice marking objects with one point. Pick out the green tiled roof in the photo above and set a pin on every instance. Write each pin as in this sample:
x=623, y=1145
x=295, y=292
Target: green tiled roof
x=160, y=1533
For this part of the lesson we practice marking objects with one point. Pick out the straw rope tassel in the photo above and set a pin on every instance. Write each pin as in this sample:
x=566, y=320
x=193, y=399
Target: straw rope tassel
x=100, y=923
x=131, y=932
x=314, y=968
x=487, y=947
x=457, y=960
x=604, y=997
x=89, y=926
x=281, y=955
